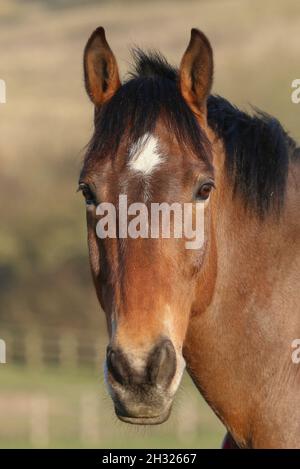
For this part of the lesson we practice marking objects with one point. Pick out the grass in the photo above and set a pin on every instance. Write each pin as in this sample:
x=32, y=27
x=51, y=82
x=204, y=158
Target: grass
x=68, y=391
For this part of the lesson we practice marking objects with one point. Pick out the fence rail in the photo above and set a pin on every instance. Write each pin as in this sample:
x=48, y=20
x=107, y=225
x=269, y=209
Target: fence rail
x=42, y=347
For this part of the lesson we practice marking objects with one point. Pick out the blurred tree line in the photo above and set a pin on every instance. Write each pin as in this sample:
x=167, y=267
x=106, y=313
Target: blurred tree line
x=44, y=270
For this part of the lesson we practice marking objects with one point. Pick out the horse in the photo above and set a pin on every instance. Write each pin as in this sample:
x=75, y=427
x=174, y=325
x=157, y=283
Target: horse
x=228, y=311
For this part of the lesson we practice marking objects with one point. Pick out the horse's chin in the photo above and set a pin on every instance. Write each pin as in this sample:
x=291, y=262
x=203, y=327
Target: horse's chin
x=145, y=420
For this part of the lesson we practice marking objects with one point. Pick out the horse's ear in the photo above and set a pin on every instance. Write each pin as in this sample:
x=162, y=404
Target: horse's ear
x=100, y=68
x=196, y=72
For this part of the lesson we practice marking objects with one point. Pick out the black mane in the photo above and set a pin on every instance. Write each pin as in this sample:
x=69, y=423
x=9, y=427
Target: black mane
x=258, y=151
x=257, y=147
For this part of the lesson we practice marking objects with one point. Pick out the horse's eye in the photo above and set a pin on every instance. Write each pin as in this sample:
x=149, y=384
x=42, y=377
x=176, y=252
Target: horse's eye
x=204, y=191
x=87, y=193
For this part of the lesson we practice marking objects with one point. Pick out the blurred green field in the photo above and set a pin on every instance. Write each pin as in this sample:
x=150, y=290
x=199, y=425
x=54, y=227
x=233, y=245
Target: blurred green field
x=74, y=396
x=44, y=127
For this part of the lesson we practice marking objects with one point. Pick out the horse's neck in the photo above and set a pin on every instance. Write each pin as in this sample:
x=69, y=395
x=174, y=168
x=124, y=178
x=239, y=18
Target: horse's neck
x=238, y=348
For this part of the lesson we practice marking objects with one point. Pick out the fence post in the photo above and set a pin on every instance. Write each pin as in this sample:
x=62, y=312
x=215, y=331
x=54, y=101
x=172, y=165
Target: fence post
x=68, y=349
x=89, y=419
x=39, y=422
x=33, y=348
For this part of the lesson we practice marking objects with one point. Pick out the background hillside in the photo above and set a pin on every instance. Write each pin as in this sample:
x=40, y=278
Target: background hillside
x=47, y=121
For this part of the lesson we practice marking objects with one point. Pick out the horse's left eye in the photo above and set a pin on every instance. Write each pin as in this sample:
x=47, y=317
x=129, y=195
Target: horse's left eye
x=204, y=191
x=87, y=193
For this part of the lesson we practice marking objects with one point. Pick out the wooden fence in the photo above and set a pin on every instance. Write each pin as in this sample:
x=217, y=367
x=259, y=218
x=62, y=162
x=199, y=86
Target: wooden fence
x=51, y=346
x=33, y=420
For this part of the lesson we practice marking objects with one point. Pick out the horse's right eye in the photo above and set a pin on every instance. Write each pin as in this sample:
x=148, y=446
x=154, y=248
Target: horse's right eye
x=204, y=191
x=87, y=194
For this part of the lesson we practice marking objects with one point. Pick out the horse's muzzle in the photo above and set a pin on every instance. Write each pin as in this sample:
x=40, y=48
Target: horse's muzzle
x=141, y=394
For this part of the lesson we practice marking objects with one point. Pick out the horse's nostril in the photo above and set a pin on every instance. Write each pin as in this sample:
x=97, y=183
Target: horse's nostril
x=162, y=364
x=159, y=369
x=117, y=365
